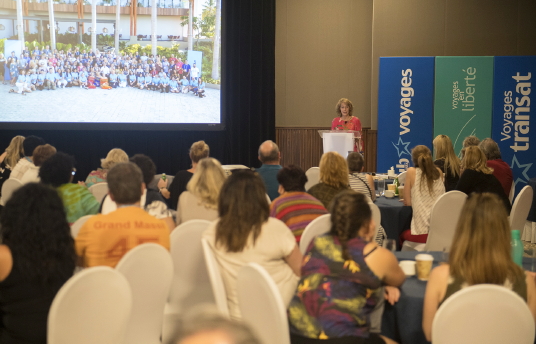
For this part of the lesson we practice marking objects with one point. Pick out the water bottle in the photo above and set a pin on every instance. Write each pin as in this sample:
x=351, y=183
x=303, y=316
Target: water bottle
x=517, y=248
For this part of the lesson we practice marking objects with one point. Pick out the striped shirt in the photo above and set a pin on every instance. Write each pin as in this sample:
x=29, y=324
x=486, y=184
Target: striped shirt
x=296, y=210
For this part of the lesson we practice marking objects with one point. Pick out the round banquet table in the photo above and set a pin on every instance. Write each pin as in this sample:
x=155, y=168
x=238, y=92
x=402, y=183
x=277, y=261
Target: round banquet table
x=402, y=322
x=396, y=217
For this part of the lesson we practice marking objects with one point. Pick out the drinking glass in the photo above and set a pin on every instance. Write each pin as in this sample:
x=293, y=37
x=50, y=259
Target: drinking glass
x=390, y=244
x=381, y=187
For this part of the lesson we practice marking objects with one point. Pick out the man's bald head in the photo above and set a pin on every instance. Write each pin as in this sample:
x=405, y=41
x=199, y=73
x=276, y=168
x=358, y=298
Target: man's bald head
x=269, y=153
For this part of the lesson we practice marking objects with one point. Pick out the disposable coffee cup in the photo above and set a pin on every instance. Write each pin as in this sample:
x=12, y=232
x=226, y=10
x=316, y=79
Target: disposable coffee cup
x=391, y=187
x=401, y=192
x=423, y=266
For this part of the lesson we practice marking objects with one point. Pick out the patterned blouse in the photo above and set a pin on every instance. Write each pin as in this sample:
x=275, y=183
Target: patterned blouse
x=334, y=297
x=353, y=124
x=98, y=176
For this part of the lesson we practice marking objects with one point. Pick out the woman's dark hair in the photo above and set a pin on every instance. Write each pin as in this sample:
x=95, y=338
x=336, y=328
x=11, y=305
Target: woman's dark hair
x=147, y=167
x=243, y=208
x=35, y=228
x=57, y=170
x=355, y=162
x=30, y=143
x=349, y=213
x=292, y=178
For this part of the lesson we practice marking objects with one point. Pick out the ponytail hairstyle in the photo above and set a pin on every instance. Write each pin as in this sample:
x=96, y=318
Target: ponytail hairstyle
x=350, y=213
x=444, y=150
x=422, y=158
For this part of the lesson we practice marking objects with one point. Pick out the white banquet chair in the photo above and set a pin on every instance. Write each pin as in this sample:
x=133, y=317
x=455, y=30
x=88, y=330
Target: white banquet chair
x=520, y=210
x=318, y=226
x=483, y=313
x=216, y=281
x=11, y=185
x=190, y=285
x=313, y=177
x=92, y=307
x=443, y=220
x=402, y=178
x=512, y=192
x=99, y=190
x=77, y=225
x=148, y=269
x=261, y=305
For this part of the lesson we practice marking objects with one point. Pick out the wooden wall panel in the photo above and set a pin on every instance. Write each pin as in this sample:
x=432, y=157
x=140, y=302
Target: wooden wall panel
x=303, y=146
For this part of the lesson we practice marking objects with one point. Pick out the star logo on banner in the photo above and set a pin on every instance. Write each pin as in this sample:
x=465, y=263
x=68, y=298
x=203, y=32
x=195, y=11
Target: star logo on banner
x=520, y=170
x=402, y=147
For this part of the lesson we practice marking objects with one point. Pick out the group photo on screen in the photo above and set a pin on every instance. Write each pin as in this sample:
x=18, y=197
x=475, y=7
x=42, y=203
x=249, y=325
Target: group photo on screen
x=75, y=83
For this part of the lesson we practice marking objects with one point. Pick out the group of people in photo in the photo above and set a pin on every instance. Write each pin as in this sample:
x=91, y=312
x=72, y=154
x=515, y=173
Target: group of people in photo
x=52, y=69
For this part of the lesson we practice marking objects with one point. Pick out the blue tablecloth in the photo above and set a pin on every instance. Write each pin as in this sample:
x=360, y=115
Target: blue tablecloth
x=403, y=321
x=396, y=217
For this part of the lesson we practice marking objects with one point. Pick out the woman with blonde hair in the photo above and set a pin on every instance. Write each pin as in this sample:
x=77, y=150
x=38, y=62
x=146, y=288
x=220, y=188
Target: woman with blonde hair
x=245, y=233
x=114, y=156
x=198, y=151
x=424, y=185
x=345, y=120
x=480, y=254
x=333, y=178
x=14, y=152
x=200, y=200
x=447, y=161
x=478, y=177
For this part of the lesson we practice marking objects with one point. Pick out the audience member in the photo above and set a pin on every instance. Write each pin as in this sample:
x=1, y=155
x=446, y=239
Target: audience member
x=424, y=184
x=198, y=151
x=468, y=142
x=245, y=233
x=501, y=170
x=447, y=161
x=40, y=154
x=342, y=285
x=270, y=157
x=105, y=239
x=295, y=207
x=14, y=152
x=478, y=177
x=480, y=254
x=36, y=258
x=29, y=145
x=114, y=156
x=205, y=325
x=333, y=178
x=58, y=171
x=200, y=200
x=359, y=181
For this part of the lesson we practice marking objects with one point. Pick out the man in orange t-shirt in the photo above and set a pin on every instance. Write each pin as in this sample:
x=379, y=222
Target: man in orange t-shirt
x=105, y=239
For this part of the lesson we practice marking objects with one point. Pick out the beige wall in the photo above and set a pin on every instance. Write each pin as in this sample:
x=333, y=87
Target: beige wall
x=323, y=53
x=326, y=50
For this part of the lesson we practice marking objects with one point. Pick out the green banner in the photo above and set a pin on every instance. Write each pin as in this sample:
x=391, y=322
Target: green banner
x=463, y=97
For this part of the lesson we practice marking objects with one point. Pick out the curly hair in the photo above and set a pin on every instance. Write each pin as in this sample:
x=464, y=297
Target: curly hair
x=349, y=213
x=57, y=170
x=243, y=208
x=42, y=153
x=334, y=170
x=347, y=102
x=113, y=157
x=146, y=165
x=34, y=227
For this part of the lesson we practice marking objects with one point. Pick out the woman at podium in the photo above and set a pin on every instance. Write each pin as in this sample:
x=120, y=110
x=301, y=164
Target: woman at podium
x=346, y=121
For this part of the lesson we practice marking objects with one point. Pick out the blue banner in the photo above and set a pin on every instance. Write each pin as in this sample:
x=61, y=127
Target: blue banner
x=405, y=109
x=513, y=107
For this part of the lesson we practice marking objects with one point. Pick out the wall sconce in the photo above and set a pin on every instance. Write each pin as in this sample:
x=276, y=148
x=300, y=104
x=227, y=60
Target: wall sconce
x=105, y=30
x=2, y=27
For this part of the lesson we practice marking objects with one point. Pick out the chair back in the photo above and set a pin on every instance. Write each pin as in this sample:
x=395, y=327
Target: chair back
x=216, y=281
x=471, y=314
x=108, y=205
x=9, y=186
x=520, y=209
x=512, y=192
x=313, y=177
x=75, y=227
x=318, y=226
x=443, y=220
x=377, y=217
x=190, y=285
x=402, y=178
x=99, y=190
x=261, y=305
x=92, y=307
x=148, y=269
